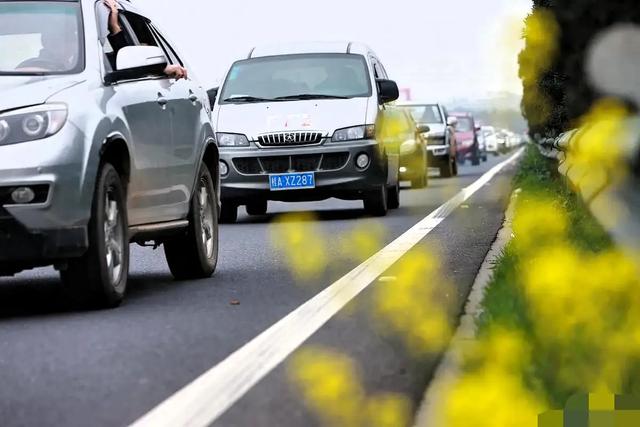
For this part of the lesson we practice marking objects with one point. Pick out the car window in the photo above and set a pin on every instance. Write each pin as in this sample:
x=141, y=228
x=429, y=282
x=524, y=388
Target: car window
x=168, y=49
x=330, y=75
x=465, y=124
x=140, y=29
x=426, y=113
x=41, y=38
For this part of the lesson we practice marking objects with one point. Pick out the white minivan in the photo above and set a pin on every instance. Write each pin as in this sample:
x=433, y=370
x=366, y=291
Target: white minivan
x=302, y=122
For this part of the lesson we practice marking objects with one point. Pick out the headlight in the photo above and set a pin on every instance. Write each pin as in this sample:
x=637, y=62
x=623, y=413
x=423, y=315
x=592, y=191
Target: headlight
x=232, y=140
x=354, y=133
x=32, y=123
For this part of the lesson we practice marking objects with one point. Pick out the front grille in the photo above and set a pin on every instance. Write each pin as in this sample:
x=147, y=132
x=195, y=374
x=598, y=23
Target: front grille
x=334, y=161
x=289, y=139
x=297, y=163
x=248, y=165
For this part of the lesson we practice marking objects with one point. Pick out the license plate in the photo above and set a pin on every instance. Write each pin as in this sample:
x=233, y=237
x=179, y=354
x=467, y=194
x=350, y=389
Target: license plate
x=292, y=181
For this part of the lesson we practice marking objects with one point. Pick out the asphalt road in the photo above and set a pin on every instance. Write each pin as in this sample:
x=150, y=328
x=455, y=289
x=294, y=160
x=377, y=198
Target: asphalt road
x=108, y=368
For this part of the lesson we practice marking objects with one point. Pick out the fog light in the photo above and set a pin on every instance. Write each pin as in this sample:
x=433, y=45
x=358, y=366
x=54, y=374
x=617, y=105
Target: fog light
x=224, y=169
x=23, y=195
x=403, y=169
x=362, y=161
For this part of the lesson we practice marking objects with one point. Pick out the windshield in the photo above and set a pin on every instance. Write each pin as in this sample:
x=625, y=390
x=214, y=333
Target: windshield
x=40, y=37
x=426, y=114
x=465, y=124
x=289, y=76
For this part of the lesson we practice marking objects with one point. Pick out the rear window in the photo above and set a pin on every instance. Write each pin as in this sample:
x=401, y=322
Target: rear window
x=426, y=114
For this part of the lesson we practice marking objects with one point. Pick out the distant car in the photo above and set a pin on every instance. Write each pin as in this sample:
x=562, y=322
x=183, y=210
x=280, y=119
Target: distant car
x=503, y=141
x=100, y=148
x=482, y=144
x=490, y=139
x=466, y=135
x=442, y=147
x=413, y=152
x=302, y=122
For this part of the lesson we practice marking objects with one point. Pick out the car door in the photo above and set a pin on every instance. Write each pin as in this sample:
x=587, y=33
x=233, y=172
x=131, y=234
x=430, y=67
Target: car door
x=148, y=124
x=185, y=100
x=393, y=150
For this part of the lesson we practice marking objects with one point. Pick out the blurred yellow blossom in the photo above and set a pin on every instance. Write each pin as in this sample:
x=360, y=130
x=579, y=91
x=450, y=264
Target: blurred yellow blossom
x=415, y=306
x=538, y=221
x=330, y=385
x=299, y=237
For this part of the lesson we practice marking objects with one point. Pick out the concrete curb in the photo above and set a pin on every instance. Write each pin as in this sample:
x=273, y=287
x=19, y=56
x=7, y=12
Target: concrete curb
x=449, y=368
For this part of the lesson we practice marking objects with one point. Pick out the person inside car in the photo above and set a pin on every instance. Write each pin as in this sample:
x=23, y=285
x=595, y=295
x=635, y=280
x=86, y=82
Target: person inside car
x=118, y=40
x=59, y=52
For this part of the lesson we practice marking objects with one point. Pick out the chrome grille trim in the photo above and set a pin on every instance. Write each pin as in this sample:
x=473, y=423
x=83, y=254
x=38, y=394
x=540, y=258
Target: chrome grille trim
x=289, y=139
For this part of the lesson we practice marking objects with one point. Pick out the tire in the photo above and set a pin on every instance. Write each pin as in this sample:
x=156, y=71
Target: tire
x=393, y=196
x=228, y=213
x=484, y=158
x=475, y=161
x=420, y=182
x=375, y=203
x=446, y=170
x=194, y=255
x=99, y=278
x=257, y=208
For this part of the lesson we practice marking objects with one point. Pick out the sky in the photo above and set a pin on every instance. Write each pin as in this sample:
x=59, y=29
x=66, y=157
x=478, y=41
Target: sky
x=439, y=49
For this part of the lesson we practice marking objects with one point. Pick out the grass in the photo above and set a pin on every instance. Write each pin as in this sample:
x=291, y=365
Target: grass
x=505, y=303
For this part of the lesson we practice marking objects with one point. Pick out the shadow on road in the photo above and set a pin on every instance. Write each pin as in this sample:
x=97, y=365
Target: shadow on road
x=27, y=297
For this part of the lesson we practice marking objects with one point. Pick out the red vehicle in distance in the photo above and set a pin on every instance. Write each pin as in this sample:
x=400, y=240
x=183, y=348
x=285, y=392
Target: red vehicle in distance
x=467, y=136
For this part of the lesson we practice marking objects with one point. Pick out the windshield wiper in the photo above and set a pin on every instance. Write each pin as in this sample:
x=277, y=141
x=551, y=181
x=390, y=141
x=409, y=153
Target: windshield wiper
x=247, y=99
x=304, y=96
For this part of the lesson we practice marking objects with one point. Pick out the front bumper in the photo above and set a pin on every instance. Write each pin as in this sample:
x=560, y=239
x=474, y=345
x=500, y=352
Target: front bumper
x=32, y=248
x=53, y=226
x=333, y=163
x=438, y=155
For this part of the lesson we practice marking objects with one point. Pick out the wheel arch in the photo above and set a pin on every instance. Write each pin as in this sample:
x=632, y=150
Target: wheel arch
x=211, y=158
x=115, y=151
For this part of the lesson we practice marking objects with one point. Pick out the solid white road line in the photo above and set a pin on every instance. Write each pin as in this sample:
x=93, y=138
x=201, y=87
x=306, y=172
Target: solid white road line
x=204, y=400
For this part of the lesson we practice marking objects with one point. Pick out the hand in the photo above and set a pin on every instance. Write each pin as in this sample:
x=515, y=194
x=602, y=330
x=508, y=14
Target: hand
x=176, y=71
x=114, y=22
x=111, y=4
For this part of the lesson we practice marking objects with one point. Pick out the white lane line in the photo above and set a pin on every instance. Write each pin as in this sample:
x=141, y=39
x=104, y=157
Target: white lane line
x=205, y=399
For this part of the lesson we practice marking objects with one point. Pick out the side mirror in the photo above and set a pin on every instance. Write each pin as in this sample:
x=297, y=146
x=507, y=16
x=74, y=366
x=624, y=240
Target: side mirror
x=213, y=94
x=423, y=129
x=478, y=128
x=135, y=62
x=388, y=91
x=452, y=121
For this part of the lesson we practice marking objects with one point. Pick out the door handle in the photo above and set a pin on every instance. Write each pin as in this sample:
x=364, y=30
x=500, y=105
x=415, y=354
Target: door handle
x=162, y=101
x=193, y=97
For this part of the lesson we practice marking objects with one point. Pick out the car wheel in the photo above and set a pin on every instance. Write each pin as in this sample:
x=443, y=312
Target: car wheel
x=375, y=203
x=484, y=158
x=420, y=182
x=99, y=277
x=228, y=213
x=475, y=161
x=446, y=170
x=194, y=255
x=393, y=196
x=257, y=208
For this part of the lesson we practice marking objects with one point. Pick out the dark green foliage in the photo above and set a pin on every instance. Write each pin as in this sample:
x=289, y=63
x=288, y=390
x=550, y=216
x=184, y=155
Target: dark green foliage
x=565, y=84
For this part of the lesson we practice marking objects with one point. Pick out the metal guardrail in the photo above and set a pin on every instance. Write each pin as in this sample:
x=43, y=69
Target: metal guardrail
x=614, y=201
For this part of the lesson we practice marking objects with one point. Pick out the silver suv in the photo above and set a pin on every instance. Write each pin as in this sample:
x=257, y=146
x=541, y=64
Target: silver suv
x=99, y=148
